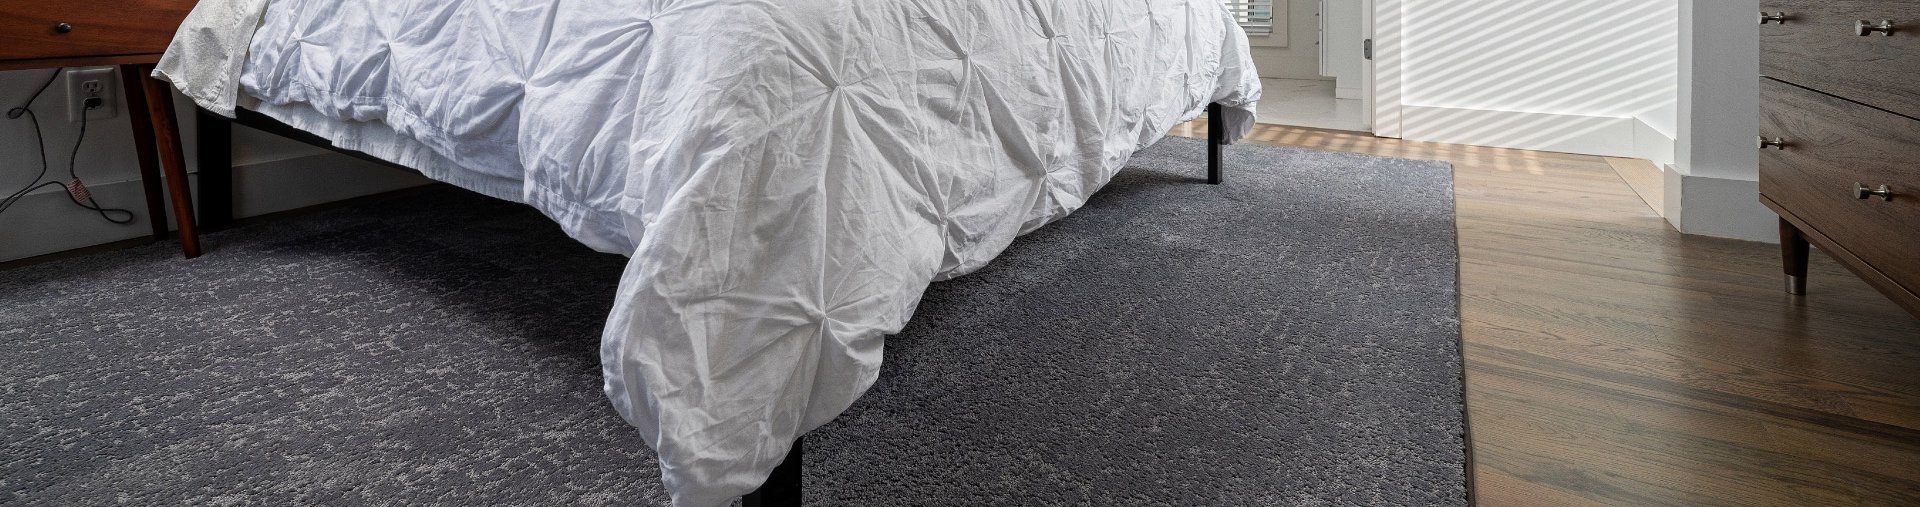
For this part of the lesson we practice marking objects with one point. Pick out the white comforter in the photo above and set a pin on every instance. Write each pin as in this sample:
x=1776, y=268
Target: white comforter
x=787, y=175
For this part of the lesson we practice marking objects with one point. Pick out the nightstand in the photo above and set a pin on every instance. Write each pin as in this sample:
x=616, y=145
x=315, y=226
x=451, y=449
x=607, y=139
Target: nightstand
x=38, y=34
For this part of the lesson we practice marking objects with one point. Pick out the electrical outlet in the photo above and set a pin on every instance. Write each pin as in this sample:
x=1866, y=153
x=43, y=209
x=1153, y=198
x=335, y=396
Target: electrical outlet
x=91, y=83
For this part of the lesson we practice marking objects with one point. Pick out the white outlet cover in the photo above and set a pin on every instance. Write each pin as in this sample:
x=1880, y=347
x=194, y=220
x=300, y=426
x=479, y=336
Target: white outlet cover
x=76, y=94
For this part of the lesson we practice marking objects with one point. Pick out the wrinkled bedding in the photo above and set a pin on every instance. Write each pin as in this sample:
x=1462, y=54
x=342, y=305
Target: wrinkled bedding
x=787, y=176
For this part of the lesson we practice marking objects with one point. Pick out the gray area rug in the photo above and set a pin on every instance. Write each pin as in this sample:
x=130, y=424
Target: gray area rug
x=1290, y=338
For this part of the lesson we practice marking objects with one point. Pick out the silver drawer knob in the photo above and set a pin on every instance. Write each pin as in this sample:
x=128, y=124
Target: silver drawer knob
x=1775, y=143
x=62, y=28
x=1860, y=191
x=1864, y=28
x=1778, y=18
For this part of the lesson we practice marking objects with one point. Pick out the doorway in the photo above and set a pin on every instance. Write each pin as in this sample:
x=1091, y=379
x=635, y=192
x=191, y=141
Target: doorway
x=1312, y=56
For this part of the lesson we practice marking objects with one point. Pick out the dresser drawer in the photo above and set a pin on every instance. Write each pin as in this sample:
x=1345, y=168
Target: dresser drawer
x=1818, y=46
x=28, y=28
x=1831, y=144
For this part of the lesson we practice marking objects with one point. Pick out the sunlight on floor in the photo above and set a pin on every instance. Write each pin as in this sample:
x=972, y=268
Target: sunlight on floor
x=1480, y=158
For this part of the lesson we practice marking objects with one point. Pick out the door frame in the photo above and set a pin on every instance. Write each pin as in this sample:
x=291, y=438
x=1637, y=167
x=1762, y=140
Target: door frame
x=1386, y=22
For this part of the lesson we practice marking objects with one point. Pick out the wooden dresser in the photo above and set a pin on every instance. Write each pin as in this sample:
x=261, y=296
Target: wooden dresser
x=1840, y=136
x=48, y=34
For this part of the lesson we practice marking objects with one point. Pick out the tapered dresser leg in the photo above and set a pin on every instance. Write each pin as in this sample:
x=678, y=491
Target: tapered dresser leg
x=1793, y=252
x=166, y=134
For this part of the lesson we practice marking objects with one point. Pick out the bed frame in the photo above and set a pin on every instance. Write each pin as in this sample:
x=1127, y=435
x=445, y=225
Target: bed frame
x=215, y=134
x=215, y=143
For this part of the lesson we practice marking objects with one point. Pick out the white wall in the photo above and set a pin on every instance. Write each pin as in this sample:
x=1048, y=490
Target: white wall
x=272, y=174
x=1343, y=53
x=1720, y=76
x=1292, y=52
x=1588, y=76
x=1712, y=186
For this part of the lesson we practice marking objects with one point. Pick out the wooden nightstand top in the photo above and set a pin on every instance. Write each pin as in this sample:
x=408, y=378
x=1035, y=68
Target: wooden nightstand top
x=63, y=33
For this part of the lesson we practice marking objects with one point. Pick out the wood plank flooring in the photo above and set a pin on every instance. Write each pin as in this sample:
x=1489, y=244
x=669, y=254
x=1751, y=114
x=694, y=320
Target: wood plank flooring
x=1614, y=361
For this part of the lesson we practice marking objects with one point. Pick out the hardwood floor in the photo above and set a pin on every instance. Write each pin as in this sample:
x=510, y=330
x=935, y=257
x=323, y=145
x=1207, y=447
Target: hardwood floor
x=1614, y=361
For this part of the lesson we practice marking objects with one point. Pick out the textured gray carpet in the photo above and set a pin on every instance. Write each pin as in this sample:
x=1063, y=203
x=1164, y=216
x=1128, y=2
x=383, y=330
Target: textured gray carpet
x=1289, y=338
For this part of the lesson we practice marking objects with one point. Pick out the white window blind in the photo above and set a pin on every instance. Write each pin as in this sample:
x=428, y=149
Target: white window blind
x=1256, y=16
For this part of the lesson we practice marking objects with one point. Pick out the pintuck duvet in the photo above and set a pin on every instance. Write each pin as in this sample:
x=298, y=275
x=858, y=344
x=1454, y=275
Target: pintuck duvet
x=788, y=176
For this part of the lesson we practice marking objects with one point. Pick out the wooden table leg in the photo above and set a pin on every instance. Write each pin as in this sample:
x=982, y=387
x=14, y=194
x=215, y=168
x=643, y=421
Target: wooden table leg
x=143, y=147
x=166, y=134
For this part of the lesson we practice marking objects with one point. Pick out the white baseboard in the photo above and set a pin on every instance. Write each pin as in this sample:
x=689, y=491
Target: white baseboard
x=1726, y=208
x=1651, y=144
x=1674, y=187
x=1564, y=133
x=48, y=222
x=1718, y=207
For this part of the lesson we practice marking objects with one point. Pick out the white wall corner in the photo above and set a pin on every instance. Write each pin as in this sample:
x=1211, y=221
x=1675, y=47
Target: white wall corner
x=1719, y=108
x=1672, y=184
x=1650, y=143
x=1714, y=177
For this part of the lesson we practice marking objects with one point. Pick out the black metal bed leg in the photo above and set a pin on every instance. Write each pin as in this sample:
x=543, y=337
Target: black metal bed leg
x=782, y=489
x=215, y=140
x=1216, y=140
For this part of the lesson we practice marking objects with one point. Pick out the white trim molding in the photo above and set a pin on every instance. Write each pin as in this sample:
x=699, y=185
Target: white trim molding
x=1565, y=133
x=1388, y=22
x=1718, y=207
x=1651, y=144
x=1712, y=187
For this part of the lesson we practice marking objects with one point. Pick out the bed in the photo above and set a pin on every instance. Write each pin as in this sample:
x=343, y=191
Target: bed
x=786, y=176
